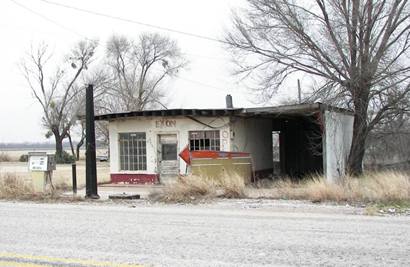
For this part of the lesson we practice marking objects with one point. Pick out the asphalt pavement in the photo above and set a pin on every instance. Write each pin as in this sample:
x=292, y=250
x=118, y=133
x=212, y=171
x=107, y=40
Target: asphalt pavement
x=224, y=233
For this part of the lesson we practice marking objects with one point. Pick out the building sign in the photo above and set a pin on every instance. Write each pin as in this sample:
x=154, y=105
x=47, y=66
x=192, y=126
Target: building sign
x=38, y=163
x=165, y=123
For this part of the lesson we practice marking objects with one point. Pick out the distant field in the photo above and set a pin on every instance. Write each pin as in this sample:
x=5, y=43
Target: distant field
x=14, y=154
x=62, y=174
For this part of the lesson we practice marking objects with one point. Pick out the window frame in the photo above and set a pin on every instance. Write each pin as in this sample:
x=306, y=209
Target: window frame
x=175, y=146
x=132, y=148
x=204, y=140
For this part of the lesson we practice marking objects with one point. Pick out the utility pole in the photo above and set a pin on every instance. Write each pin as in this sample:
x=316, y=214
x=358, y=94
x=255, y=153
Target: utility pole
x=90, y=160
x=299, y=92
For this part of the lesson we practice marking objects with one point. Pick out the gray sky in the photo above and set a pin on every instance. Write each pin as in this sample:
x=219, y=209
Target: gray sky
x=203, y=85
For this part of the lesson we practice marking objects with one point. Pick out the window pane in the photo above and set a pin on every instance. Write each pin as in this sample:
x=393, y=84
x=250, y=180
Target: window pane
x=169, y=151
x=204, y=140
x=132, y=151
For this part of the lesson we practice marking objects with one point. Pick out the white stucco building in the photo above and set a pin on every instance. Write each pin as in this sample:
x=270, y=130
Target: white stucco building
x=313, y=138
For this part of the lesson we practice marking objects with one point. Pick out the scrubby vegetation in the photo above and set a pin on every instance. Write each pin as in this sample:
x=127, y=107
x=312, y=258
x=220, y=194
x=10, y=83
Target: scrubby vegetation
x=196, y=189
x=385, y=188
x=23, y=158
x=382, y=187
x=4, y=157
x=65, y=158
x=13, y=187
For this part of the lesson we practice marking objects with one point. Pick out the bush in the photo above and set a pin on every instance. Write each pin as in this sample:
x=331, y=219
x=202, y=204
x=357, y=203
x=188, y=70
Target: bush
x=4, y=157
x=23, y=158
x=65, y=158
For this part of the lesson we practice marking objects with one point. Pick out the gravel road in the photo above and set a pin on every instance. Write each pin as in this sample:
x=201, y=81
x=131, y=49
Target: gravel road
x=226, y=233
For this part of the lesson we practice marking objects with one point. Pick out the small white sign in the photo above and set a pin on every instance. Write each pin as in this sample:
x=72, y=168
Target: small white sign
x=38, y=163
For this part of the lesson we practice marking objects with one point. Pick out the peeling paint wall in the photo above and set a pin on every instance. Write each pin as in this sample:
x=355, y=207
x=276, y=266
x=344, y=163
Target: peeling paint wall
x=338, y=139
x=254, y=136
x=153, y=126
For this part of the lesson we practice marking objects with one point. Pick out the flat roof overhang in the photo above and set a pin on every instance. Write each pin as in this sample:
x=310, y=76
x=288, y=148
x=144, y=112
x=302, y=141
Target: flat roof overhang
x=297, y=110
x=170, y=113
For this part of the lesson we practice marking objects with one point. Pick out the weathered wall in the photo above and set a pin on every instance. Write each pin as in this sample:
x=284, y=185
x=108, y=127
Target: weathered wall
x=254, y=136
x=153, y=126
x=337, y=142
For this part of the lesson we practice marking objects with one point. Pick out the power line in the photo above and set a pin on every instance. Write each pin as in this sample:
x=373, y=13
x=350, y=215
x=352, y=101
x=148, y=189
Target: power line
x=134, y=21
x=200, y=83
x=144, y=24
x=83, y=36
x=206, y=57
x=48, y=19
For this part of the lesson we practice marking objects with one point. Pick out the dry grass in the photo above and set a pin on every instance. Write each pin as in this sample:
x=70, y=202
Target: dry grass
x=382, y=187
x=13, y=187
x=4, y=157
x=188, y=189
x=230, y=186
x=63, y=174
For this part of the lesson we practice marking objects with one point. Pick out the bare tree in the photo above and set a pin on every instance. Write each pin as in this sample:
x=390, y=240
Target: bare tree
x=101, y=81
x=358, y=50
x=389, y=142
x=139, y=68
x=57, y=90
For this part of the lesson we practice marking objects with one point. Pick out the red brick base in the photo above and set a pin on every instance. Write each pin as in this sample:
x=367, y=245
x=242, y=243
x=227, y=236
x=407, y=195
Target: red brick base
x=134, y=178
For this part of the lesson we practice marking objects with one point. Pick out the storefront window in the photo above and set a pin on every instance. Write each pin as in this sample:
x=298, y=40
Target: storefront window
x=204, y=140
x=133, y=151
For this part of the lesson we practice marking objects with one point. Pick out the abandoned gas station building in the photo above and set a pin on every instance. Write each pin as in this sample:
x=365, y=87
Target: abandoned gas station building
x=309, y=138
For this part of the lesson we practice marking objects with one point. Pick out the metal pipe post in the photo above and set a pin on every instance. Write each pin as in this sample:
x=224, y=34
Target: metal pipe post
x=74, y=172
x=90, y=164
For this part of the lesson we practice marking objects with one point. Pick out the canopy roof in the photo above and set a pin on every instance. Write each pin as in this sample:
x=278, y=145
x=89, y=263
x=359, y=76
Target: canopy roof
x=275, y=111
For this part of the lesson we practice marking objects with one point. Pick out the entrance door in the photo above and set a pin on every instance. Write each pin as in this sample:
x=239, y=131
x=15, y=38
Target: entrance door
x=168, y=157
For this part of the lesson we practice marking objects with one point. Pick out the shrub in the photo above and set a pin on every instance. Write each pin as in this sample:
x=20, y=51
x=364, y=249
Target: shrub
x=23, y=158
x=65, y=158
x=4, y=157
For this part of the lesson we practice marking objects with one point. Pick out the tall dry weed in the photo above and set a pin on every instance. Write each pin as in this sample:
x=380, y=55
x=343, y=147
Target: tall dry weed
x=12, y=186
x=371, y=187
x=318, y=190
x=197, y=188
x=15, y=188
x=185, y=189
x=380, y=187
x=231, y=186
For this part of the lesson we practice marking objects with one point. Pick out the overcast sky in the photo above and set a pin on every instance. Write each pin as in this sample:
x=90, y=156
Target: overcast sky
x=204, y=85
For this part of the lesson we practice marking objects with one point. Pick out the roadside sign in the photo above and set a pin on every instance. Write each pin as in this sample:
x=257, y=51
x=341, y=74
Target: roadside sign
x=38, y=162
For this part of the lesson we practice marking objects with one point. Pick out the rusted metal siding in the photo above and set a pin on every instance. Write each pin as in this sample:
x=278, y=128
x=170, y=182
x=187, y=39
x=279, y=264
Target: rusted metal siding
x=220, y=168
